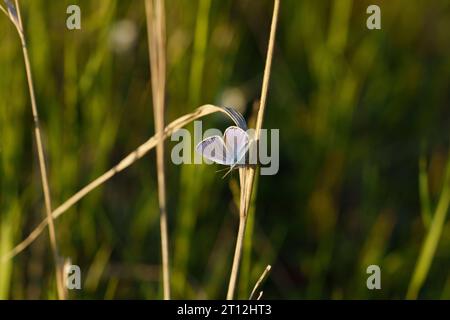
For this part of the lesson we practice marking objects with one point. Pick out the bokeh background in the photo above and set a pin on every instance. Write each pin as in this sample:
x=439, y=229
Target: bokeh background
x=364, y=143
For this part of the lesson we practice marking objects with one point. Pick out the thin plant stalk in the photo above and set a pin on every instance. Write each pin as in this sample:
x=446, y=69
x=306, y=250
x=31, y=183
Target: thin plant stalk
x=17, y=21
x=244, y=281
x=424, y=192
x=260, y=281
x=156, y=44
x=237, y=256
x=247, y=174
x=2, y=9
x=431, y=241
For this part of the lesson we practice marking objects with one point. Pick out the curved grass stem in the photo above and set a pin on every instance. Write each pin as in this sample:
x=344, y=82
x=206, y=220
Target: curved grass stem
x=130, y=159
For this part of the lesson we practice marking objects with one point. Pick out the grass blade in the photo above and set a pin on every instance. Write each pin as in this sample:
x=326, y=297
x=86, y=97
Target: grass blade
x=432, y=239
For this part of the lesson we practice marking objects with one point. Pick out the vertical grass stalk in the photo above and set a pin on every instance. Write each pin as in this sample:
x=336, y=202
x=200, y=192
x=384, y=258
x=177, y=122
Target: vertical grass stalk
x=244, y=279
x=155, y=13
x=17, y=21
x=432, y=238
x=247, y=174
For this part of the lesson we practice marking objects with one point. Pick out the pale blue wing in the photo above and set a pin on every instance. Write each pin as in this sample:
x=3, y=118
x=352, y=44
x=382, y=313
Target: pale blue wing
x=214, y=149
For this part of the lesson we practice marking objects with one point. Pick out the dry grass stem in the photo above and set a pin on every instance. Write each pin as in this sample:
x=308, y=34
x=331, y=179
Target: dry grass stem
x=258, y=284
x=2, y=9
x=122, y=165
x=157, y=55
x=17, y=20
x=247, y=174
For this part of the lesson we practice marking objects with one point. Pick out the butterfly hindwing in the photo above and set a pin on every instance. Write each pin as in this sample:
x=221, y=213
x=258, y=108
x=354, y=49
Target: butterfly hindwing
x=236, y=141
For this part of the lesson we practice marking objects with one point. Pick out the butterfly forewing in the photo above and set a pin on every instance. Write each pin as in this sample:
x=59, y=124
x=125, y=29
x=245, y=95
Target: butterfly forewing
x=214, y=149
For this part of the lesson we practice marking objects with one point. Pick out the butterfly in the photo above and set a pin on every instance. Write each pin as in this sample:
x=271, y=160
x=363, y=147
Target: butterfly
x=231, y=150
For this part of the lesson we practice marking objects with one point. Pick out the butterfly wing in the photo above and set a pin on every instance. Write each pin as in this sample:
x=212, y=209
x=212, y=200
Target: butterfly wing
x=214, y=149
x=237, y=142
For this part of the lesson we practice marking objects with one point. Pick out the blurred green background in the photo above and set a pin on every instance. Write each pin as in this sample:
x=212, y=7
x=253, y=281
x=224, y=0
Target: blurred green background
x=364, y=143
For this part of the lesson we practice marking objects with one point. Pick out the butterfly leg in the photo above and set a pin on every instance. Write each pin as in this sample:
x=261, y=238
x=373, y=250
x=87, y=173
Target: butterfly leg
x=221, y=170
x=229, y=170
